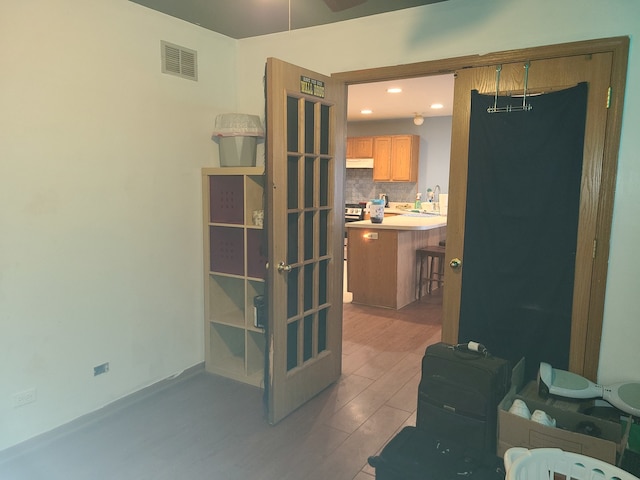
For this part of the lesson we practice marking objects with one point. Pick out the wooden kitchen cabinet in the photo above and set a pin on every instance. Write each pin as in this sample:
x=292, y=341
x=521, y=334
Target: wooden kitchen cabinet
x=360, y=147
x=396, y=158
x=382, y=159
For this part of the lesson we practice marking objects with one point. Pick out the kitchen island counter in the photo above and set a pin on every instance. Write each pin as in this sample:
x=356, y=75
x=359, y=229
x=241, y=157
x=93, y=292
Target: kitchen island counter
x=382, y=269
x=403, y=222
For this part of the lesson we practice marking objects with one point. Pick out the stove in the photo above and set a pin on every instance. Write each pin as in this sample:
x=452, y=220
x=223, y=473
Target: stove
x=353, y=212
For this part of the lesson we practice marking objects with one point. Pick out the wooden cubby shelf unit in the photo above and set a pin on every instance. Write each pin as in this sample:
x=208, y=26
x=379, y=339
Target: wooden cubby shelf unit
x=235, y=270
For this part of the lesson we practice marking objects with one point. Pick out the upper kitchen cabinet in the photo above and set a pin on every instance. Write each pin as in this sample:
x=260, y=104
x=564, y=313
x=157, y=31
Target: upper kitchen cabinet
x=396, y=158
x=360, y=147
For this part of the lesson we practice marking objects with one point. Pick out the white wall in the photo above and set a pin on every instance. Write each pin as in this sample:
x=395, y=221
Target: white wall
x=465, y=27
x=100, y=203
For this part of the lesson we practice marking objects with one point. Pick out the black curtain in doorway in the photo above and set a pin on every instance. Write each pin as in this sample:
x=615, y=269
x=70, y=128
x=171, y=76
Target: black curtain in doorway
x=523, y=194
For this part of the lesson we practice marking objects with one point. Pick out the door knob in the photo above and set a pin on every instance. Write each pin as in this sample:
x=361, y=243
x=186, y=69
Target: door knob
x=455, y=263
x=282, y=267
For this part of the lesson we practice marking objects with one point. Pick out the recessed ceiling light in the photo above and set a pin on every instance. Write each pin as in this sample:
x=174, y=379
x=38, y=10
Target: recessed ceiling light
x=435, y=106
x=366, y=111
x=394, y=90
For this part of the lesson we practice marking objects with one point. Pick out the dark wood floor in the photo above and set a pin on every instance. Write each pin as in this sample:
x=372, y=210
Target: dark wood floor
x=208, y=427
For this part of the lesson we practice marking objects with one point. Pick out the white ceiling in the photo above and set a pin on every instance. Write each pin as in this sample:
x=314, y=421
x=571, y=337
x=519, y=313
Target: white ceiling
x=418, y=94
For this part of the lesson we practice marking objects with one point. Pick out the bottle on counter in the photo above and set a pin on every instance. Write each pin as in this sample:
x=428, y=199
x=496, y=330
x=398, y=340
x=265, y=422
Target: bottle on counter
x=418, y=203
x=377, y=210
x=430, y=195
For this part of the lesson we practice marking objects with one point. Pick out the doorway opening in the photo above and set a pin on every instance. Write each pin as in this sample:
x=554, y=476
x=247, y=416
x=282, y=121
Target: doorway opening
x=586, y=330
x=394, y=105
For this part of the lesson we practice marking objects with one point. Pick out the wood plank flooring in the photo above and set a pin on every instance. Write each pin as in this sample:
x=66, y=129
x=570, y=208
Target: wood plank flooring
x=208, y=427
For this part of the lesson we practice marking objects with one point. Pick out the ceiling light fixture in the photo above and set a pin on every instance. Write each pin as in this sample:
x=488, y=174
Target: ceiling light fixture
x=436, y=106
x=418, y=119
x=366, y=111
x=394, y=90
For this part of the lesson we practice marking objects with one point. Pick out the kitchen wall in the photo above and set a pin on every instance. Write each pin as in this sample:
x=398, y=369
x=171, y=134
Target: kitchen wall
x=433, y=165
x=360, y=187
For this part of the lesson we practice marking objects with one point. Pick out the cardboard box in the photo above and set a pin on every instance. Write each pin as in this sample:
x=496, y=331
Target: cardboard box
x=530, y=390
x=515, y=431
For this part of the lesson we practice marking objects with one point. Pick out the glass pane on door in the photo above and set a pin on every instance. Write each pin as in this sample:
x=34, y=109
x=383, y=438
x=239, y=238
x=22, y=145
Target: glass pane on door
x=292, y=293
x=292, y=184
x=309, y=180
x=292, y=124
x=309, y=204
x=308, y=235
x=309, y=122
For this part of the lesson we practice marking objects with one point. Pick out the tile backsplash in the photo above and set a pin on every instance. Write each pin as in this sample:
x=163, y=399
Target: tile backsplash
x=360, y=187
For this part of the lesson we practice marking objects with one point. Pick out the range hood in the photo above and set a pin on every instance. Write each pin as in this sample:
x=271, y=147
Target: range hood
x=359, y=162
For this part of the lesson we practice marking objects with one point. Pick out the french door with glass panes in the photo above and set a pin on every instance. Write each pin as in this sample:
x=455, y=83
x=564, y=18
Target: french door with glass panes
x=306, y=114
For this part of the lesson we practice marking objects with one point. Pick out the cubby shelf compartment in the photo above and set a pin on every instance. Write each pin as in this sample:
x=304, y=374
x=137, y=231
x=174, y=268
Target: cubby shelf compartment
x=229, y=306
x=235, y=269
x=254, y=193
x=255, y=355
x=254, y=288
x=228, y=349
x=226, y=199
x=227, y=245
x=256, y=261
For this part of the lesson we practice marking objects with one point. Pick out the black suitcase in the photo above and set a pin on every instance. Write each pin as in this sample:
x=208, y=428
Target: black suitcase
x=414, y=454
x=459, y=393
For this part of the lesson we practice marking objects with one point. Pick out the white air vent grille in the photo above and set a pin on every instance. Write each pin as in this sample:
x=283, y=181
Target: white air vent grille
x=180, y=61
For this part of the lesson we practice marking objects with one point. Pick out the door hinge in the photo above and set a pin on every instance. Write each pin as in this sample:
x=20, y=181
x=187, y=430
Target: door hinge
x=609, y=97
x=595, y=247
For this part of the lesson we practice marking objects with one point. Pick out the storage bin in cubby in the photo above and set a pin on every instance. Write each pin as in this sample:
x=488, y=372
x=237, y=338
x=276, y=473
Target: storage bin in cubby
x=226, y=200
x=227, y=250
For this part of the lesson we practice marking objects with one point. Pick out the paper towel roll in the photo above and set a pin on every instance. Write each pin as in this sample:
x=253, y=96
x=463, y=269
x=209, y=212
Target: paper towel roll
x=444, y=203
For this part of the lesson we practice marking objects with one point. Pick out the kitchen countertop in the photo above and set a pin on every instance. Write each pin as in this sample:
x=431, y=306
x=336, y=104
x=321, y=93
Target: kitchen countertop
x=406, y=221
x=400, y=208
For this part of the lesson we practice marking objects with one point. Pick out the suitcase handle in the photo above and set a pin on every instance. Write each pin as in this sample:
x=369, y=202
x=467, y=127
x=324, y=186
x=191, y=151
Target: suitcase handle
x=472, y=347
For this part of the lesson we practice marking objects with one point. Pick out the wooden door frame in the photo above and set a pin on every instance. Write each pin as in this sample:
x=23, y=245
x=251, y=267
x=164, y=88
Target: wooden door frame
x=619, y=47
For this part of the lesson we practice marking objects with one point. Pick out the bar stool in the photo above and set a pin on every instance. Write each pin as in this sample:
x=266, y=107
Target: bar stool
x=431, y=254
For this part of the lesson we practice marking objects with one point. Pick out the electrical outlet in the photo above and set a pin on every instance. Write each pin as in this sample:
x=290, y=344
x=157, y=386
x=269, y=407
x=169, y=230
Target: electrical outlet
x=24, y=397
x=100, y=369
